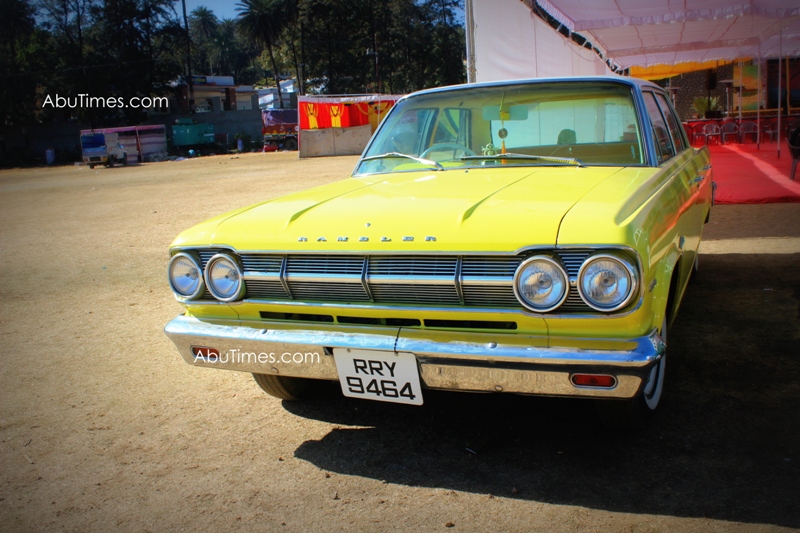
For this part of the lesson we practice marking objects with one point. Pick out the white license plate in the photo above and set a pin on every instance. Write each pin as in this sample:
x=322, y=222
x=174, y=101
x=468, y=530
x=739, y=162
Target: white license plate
x=381, y=376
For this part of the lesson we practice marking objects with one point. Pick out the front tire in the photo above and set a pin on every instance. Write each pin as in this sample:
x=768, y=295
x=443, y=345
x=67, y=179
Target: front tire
x=286, y=388
x=633, y=414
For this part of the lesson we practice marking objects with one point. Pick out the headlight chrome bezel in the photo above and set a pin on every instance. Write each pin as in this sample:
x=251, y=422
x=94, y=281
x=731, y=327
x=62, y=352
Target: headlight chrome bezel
x=195, y=259
x=626, y=264
x=240, y=290
x=521, y=268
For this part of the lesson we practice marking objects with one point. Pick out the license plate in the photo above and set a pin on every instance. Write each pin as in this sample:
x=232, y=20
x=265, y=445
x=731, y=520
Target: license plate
x=381, y=376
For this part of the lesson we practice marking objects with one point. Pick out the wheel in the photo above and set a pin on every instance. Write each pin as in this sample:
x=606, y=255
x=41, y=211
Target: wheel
x=124, y=160
x=91, y=167
x=440, y=147
x=290, y=144
x=635, y=413
x=287, y=388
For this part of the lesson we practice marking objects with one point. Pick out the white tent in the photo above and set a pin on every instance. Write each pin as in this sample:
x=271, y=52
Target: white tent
x=506, y=40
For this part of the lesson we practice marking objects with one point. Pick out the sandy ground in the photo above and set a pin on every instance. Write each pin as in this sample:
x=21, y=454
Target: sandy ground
x=103, y=427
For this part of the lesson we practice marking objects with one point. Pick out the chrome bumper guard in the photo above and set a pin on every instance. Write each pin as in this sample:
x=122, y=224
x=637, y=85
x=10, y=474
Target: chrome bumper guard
x=502, y=365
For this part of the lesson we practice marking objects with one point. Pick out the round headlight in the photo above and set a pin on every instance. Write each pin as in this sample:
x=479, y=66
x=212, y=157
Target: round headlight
x=224, y=278
x=607, y=282
x=541, y=283
x=185, y=276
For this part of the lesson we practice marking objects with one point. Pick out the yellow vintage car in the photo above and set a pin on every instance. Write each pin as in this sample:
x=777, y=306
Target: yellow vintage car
x=530, y=236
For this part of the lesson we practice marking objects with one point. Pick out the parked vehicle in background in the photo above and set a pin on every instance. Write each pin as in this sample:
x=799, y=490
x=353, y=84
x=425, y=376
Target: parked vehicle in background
x=531, y=237
x=187, y=134
x=280, y=128
x=102, y=149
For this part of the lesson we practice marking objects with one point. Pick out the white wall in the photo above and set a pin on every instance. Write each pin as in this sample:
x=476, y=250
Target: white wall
x=511, y=42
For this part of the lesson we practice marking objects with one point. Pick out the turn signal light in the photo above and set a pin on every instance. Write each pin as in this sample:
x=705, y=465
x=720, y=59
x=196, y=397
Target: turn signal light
x=205, y=353
x=601, y=381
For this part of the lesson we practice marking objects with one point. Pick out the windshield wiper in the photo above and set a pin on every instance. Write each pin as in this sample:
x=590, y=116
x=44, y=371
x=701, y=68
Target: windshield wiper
x=548, y=158
x=434, y=164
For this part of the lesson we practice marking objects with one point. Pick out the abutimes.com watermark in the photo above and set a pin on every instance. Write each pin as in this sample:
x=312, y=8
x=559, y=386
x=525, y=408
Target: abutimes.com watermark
x=236, y=356
x=84, y=101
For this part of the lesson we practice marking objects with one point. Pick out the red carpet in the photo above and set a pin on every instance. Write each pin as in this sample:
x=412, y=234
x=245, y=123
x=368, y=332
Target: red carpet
x=745, y=175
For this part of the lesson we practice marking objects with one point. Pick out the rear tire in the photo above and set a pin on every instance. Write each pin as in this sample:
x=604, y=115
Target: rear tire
x=634, y=414
x=286, y=388
x=290, y=144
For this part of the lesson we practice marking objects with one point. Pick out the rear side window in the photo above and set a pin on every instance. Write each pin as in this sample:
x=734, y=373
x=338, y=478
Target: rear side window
x=672, y=122
x=664, y=148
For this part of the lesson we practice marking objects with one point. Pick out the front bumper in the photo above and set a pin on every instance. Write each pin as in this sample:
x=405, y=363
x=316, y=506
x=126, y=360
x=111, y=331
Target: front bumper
x=463, y=361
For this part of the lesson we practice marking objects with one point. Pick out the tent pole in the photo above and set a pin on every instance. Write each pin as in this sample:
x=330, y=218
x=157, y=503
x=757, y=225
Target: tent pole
x=788, y=90
x=741, y=89
x=470, y=39
x=758, y=101
x=780, y=82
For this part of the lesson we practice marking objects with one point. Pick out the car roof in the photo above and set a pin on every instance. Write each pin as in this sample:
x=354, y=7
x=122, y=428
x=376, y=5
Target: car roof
x=630, y=82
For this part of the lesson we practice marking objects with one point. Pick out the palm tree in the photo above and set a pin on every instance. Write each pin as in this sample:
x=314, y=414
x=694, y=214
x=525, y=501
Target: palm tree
x=204, y=27
x=204, y=21
x=222, y=45
x=263, y=21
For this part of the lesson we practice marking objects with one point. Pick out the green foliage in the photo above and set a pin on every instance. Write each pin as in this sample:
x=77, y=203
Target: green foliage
x=391, y=47
x=127, y=48
x=247, y=141
x=703, y=104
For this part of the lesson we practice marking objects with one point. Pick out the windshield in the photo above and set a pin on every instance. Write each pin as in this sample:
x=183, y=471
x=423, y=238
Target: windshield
x=538, y=124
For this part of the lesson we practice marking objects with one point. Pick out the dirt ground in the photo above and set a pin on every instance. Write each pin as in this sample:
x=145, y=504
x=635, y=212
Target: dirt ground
x=103, y=427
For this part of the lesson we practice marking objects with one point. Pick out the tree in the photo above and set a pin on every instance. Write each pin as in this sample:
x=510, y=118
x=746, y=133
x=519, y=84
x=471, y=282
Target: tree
x=263, y=21
x=19, y=44
x=203, y=26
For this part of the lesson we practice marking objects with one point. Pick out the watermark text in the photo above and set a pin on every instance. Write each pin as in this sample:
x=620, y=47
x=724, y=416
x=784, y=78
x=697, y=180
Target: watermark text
x=235, y=356
x=84, y=101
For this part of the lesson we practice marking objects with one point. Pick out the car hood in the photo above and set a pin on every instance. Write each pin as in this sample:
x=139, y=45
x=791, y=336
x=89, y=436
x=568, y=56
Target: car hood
x=491, y=210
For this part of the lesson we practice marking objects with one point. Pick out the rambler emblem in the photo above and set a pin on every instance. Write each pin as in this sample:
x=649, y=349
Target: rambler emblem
x=405, y=238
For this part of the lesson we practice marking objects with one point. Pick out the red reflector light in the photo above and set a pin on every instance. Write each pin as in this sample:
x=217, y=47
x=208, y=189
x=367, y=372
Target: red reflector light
x=204, y=352
x=594, y=380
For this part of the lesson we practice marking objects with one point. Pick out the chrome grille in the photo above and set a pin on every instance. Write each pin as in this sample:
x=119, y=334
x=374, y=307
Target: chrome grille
x=415, y=294
x=413, y=266
x=490, y=296
x=262, y=263
x=325, y=264
x=265, y=289
x=572, y=260
x=328, y=292
x=473, y=281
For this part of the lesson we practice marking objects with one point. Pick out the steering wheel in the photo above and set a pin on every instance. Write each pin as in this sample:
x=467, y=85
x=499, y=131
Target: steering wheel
x=438, y=147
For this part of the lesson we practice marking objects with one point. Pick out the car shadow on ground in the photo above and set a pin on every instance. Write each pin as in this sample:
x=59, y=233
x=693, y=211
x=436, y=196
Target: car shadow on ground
x=726, y=444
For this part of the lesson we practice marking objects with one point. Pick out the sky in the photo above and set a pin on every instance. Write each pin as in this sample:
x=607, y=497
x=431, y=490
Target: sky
x=222, y=9
x=227, y=8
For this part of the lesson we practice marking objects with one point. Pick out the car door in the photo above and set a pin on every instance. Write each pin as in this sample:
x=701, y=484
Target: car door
x=681, y=166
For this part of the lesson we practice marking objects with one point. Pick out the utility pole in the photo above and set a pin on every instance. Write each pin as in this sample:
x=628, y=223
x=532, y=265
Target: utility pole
x=188, y=57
